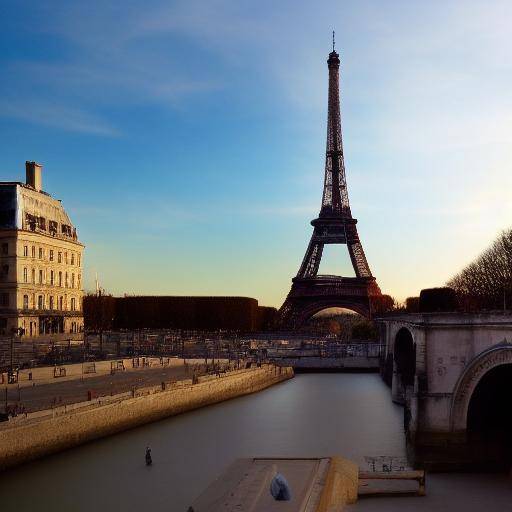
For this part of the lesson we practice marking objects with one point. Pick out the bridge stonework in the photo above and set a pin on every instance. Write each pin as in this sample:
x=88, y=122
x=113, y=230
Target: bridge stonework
x=495, y=356
x=451, y=354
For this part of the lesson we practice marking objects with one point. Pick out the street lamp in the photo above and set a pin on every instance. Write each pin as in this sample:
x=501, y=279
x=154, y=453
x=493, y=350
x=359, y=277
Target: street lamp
x=12, y=377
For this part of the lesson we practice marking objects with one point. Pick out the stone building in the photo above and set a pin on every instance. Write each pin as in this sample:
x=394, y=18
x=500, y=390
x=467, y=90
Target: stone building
x=40, y=263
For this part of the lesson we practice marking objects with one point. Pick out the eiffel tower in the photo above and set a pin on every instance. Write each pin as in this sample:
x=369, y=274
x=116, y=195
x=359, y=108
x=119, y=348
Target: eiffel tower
x=311, y=292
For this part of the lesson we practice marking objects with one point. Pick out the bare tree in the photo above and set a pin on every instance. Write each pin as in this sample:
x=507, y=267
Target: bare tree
x=486, y=283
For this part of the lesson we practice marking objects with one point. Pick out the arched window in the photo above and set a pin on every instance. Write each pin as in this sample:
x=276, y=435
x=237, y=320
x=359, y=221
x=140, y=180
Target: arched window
x=25, y=301
x=72, y=280
x=51, y=302
x=34, y=276
x=67, y=280
x=73, y=304
x=61, y=303
x=52, y=277
x=60, y=278
x=40, y=302
x=25, y=275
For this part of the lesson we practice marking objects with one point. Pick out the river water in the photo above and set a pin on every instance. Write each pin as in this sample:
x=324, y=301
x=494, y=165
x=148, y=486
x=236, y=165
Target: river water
x=310, y=415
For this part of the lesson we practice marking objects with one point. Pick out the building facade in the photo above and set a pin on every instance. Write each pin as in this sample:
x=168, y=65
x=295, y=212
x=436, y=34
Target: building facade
x=40, y=263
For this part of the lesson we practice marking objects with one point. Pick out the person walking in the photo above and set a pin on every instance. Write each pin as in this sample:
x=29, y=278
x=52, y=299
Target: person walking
x=149, y=460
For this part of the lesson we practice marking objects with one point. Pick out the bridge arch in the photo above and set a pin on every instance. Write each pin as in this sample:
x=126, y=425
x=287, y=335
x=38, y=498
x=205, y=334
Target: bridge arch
x=489, y=368
x=404, y=355
x=312, y=309
x=404, y=364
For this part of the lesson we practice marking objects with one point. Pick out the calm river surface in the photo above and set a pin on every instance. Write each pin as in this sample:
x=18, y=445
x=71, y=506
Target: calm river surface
x=311, y=415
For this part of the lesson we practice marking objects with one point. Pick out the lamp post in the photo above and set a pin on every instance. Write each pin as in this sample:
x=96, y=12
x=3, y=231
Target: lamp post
x=101, y=319
x=15, y=331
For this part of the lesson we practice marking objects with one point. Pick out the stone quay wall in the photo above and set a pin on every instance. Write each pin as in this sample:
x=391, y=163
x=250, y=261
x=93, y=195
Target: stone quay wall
x=35, y=436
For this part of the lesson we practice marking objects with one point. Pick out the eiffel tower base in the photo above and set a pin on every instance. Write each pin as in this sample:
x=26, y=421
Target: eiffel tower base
x=308, y=296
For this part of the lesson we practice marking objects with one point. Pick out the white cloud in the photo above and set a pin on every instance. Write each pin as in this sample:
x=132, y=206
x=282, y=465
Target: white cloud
x=56, y=115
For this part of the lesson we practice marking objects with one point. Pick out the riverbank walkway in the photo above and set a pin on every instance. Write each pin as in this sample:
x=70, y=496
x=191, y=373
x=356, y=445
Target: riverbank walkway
x=31, y=396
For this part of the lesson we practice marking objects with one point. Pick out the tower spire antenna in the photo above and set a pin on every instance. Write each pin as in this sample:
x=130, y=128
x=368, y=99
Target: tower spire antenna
x=333, y=42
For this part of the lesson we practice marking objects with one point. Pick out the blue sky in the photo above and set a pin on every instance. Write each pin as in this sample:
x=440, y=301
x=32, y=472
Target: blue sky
x=186, y=139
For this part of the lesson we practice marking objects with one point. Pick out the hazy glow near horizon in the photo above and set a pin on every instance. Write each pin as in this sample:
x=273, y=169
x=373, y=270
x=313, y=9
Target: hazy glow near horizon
x=186, y=139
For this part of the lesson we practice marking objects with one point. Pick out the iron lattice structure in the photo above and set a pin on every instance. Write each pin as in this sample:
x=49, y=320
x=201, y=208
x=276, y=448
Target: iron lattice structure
x=310, y=291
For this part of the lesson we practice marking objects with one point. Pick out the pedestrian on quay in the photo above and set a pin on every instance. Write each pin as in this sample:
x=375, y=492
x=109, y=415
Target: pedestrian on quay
x=149, y=460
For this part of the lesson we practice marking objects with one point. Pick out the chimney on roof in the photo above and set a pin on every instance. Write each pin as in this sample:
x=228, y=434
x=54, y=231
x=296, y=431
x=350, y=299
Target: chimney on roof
x=34, y=178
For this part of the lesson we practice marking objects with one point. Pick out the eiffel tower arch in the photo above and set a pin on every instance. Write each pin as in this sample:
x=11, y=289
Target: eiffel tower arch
x=311, y=292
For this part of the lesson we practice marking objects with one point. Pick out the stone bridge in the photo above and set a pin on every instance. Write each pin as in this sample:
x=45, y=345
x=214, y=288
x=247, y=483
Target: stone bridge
x=332, y=357
x=453, y=374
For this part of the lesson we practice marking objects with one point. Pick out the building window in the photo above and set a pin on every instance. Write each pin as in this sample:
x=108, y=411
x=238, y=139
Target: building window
x=73, y=304
x=4, y=272
x=51, y=302
x=5, y=248
x=33, y=251
x=72, y=280
x=52, y=277
x=51, y=254
x=40, y=277
x=78, y=281
x=40, y=302
x=59, y=257
x=52, y=227
x=25, y=275
x=31, y=221
x=60, y=278
x=25, y=250
x=66, y=258
x=72, y=258
x=66, y=284
x=25, y=301
x=40, y=253
x=61, y=303
x=4, y=300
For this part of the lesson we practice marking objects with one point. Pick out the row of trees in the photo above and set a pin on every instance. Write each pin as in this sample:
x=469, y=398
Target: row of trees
x=486, y=283
x=346, y=326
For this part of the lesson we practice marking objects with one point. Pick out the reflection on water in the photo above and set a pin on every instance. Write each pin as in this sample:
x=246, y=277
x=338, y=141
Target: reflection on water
x=311, y=415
